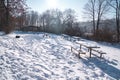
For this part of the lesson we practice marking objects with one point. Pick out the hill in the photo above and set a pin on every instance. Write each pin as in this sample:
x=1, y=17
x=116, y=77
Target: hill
x=43, y=56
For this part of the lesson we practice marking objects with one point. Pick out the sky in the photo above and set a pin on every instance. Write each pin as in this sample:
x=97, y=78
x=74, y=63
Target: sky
x=43, y=5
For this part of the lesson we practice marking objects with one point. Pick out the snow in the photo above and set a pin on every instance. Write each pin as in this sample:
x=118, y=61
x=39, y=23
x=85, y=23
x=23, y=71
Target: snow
x=34, y=57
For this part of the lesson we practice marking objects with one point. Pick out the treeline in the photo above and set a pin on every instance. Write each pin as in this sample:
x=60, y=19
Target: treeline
x=96, y=11
x=15, y=15
x=54, y=21
x=58, y=22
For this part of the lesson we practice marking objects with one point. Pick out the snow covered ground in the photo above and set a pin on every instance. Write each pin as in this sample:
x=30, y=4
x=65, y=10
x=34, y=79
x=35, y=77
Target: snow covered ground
x=34, y=57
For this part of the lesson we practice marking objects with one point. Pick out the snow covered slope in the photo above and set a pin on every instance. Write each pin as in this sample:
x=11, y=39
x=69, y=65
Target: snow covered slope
x=34, y=57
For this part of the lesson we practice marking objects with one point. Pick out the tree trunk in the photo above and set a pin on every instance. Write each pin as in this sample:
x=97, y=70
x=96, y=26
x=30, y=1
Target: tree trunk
x=7, y=18
x=117, y=25
x=118, y=20
x=93, y=6
x=94, y=22
x=97, y=26
x=93, y=26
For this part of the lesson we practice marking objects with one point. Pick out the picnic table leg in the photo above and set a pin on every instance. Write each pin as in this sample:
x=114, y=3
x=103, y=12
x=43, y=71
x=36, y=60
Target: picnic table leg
x=79, y=55
x=90, y=52
x=80, y=47
x=71, y=49
x=100, y=55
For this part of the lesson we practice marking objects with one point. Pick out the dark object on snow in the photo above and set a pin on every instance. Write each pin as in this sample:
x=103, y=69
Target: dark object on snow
x=17, y=36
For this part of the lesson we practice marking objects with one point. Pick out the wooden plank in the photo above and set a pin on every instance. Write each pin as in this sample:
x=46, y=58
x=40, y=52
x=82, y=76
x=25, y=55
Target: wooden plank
x=87, y=46
x=101, y=52
x=81, y=44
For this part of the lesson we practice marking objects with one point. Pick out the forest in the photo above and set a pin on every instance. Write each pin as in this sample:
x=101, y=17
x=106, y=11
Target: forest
x=16, y=15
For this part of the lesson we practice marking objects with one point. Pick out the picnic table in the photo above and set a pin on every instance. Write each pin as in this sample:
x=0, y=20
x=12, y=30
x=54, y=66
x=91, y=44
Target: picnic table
x=91, y=48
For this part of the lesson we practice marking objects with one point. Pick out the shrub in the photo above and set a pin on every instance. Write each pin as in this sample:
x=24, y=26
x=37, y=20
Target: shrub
x=104, y=34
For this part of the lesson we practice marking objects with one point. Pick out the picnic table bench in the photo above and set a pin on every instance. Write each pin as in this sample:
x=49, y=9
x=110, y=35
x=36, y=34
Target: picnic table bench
x=100, y=52
x=79, y=52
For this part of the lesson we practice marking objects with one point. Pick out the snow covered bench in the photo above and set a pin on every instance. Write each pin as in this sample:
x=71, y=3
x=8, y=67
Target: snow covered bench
x=100, y=52
x=78, y=52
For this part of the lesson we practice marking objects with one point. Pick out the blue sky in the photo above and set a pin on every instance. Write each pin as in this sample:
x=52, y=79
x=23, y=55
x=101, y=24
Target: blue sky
x=43, y=5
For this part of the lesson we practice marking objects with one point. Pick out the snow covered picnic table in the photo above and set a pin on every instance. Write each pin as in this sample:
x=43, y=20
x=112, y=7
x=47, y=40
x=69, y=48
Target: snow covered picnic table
x=91, y=48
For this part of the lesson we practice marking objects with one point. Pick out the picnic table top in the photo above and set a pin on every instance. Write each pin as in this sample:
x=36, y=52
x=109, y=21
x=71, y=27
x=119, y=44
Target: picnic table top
x=87, y=45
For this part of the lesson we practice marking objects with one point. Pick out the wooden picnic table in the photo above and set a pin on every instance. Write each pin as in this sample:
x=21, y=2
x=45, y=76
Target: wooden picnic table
x=90, y=48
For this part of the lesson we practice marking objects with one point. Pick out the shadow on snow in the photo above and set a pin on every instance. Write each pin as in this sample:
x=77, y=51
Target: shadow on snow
x=104, y=65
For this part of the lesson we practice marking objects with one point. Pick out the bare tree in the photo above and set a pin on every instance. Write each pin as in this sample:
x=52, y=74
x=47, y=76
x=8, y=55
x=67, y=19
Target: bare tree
x=43, y=22
x=69, y=18
x=21, y=21
x=47, y=19
x=56, y=21
x=102, y=8
x=115, y=4
x=95, y=9
x=33, y=18
x=90, y=10
x=52, y=20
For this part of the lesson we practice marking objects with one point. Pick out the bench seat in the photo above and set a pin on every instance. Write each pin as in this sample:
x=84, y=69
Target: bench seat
x=77, y=51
